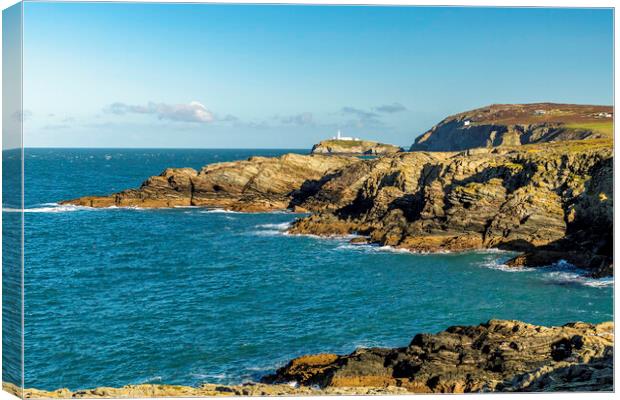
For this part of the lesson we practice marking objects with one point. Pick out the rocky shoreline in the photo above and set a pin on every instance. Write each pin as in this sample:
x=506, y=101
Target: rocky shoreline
x=497, y=356
x=549, y=202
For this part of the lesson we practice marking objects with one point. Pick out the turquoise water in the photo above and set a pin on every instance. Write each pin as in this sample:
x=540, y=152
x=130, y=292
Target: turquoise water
x=184, y=296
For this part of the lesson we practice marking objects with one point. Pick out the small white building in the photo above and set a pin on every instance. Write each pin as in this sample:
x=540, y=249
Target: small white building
x=467, y=122
x=603, y=115
x=340, y=137
x=540, y=112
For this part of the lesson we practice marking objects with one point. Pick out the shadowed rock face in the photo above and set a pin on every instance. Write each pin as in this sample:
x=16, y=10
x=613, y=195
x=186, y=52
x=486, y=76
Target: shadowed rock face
x=552, y=202
x=258, y=184
x=496, y=356
x=517, y=124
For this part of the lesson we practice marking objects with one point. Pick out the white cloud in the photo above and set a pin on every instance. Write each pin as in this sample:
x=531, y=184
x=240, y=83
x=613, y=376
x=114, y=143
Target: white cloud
x=390, y=108
x=191, y=112
x=305, y=118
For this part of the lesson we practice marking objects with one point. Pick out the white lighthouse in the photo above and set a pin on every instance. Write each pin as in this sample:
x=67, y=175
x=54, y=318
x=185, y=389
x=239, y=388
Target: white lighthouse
x=340, y=137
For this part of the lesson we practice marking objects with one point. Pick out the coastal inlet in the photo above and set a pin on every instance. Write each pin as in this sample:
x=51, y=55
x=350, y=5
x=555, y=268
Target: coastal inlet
x=190, y=295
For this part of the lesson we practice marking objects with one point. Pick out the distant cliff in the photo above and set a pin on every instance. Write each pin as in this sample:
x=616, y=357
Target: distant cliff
x=334, y=146
x=517, y=124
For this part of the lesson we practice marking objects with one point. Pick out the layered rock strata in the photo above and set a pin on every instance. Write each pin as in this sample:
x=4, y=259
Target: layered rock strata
x=496, y=356
x=551, y=202
x=256, y=184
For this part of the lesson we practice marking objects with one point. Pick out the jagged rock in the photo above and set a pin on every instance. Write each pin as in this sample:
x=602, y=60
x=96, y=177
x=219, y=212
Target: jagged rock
x=257, y=184
x=205, y=390
x=496, y=356
x=334, y=146
x=517, y=124
x=551, y=201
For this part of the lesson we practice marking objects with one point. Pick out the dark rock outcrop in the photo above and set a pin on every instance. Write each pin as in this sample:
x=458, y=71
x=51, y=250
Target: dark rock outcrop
x=517, y=124
x=496, y=356
x=551, y=202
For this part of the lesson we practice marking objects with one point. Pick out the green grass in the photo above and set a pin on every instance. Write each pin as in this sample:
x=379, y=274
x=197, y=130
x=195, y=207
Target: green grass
x=344, y=143
x=351, y=143
x=604, y=127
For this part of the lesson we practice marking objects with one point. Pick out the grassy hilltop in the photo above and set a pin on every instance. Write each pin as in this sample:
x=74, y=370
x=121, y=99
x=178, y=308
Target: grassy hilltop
x=517, y=124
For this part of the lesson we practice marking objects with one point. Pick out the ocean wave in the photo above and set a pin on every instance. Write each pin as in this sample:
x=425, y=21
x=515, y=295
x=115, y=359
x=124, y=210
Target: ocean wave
x=219, y=211
x=560, y=273
x=373, y=247
x=564, y=273
x=61, y=208
x=211, y=377
x=152, y=379
x=57, y=208
x=495, y=264
x=280, y=227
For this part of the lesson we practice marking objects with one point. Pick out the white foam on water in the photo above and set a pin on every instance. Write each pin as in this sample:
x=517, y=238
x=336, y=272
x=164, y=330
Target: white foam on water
x=152, y=379
x=60, y=208
x=279, y=227
x=209, y=376
x=366, y=344
x=219, y=211
x=371, y=247
x=391, y=249
x=272, y=229
x=563, y=272
x=57, y=208
x=495, y=264
x=267, y=233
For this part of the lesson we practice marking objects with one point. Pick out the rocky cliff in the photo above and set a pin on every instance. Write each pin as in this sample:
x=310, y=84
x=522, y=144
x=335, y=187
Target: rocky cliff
x=551, y=202
x=499, y=355
x=496, y=356
x=257, y=184
x=517, y=124
x=367, y=147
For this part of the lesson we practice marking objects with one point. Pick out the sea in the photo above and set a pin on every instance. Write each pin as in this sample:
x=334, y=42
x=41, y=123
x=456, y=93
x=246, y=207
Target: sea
x=122, y=296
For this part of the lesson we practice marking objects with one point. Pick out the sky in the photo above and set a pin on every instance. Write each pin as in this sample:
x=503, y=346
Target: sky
x=251, y=76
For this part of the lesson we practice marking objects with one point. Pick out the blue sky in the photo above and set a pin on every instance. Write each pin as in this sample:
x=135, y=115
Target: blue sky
x=183, y=75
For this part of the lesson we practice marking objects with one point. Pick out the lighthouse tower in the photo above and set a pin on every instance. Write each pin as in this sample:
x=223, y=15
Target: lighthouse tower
x=338, y=135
